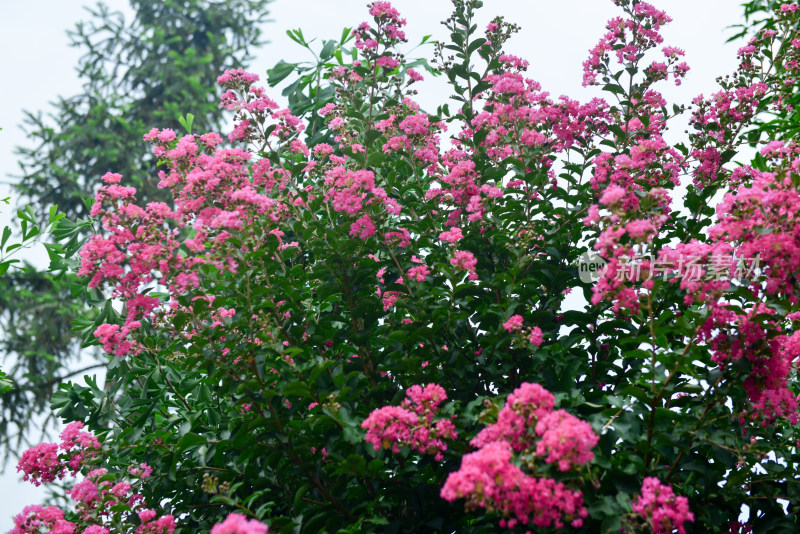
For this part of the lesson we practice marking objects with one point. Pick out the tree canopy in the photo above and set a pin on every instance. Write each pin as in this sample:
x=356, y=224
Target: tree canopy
x=358, y=327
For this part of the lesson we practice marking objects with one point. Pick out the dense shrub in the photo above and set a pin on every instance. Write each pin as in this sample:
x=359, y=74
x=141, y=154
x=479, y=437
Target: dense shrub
x=369, y=330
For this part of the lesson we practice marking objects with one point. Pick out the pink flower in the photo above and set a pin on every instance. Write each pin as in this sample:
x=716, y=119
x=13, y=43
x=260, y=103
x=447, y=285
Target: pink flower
x=612, y=195
x=413, y=424
x=536, y=337
x=232, y=77
x=419, y=273
x=452, y=235
x=143, y=471
x=384, y=9
x=772, y=147
x=465, y=260
x=514, y=323
x=389, y=426
x=565, y=440
x=389, y=299
x=414, y=75
x=323, y=149
x=163, y=525
x=41, y=464
x=640, y=228
x=663, y=510
x=363, y=228
x=85, y=493
x=415, y=124
x=239, y=524
x=35, y=519
x=488, y=479
x=387, y=62
x=524, y=407
x=327, y=108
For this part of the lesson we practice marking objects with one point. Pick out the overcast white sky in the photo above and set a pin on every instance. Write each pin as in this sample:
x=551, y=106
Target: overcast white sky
x=38, y=65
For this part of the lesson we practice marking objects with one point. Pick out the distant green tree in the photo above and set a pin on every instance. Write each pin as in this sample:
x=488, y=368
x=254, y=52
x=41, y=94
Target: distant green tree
x=138, y=72
x=22, y=308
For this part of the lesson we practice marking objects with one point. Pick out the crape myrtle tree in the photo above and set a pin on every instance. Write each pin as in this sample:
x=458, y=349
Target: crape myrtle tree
x=372, y=333
x=782, y=123
x=149, y=69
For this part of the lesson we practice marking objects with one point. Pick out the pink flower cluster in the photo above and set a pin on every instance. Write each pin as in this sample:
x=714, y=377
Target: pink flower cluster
x=513, y=323
x=351, y=192
x=520, y=120
x=565, y=440
x=693, y=276
x=388, y=32
x=151, y=524
x=635, y=205
x=488, y=479
x=628, y=39
x=461, y=193
x=234, y=77
x=762, y=221
x=388, y=18
x=732, y=336
x=526, y=424
x=534, y=335
x=452, y=235
x=218, y=192
x=718, y=121
x=43, y=463
x=662, y=509
x=412, y=134
x=252, y=107
x=97, y=493
x=465, y=261
x=757, y=228
x=95, y=497
x=413, y=423
x=34, y=519
x=239, y=524
x=528, y=415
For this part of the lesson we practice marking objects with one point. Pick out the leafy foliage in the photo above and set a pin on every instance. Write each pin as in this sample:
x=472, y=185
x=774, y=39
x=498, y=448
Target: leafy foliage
x=358, y=330
x=785, y=123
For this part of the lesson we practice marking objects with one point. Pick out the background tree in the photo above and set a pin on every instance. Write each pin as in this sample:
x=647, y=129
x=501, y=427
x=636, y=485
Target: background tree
x=148, y=70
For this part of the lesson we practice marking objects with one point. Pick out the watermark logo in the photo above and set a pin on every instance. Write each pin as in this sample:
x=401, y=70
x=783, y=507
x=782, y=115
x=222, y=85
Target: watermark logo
x=687, y=268
x=590, y=267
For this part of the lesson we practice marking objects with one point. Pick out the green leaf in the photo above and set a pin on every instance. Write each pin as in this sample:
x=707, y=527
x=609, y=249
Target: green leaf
x=190, y=439
x=327, y=50
x=280, y=72
x=6, y=235
x=186, y=122
x=5, y=383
